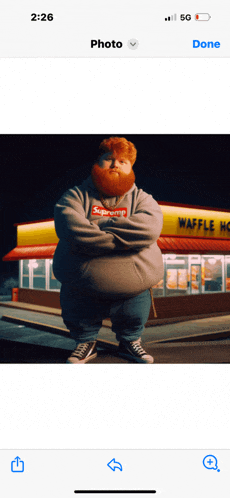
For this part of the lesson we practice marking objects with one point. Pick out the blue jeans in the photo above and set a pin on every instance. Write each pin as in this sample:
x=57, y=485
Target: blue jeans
x=83, y=315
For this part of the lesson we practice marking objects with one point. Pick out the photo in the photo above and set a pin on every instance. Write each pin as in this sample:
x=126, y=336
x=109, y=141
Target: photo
x=115, y=249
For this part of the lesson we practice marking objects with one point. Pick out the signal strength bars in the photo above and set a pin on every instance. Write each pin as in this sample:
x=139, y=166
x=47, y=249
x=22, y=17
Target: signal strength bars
x=171, y=18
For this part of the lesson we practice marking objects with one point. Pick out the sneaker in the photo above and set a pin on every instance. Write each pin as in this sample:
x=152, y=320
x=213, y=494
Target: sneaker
x=83, y=353
x=134, y=351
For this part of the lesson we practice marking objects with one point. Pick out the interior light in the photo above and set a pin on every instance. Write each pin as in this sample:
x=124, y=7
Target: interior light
x=212, y=261
x=177, y=262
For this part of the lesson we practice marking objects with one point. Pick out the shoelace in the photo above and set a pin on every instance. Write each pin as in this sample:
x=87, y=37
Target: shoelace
x=138, y=348
x=80, y=350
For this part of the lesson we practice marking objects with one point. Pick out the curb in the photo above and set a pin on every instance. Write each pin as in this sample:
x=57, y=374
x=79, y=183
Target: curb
x=49, y=328
x=11, y=306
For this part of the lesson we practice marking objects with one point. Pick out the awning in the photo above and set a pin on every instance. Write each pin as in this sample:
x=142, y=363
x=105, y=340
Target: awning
x=189, y=245
x=177, y=245
x=43, y=251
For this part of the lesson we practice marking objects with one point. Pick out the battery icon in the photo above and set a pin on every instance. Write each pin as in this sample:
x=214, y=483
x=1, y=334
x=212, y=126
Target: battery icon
x=202, y=17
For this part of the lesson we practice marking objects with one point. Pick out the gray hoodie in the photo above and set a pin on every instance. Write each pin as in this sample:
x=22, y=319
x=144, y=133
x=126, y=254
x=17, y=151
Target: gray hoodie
x=112, y=254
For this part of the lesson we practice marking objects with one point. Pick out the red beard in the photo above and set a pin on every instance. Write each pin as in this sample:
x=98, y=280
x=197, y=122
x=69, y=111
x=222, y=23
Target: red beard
x=111, y=184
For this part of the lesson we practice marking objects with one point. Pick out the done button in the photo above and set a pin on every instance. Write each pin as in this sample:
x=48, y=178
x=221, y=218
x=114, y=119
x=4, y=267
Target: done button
x=203, y=44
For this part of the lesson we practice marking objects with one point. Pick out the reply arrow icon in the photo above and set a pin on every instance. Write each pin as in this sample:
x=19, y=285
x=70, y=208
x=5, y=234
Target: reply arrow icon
x=113, y=465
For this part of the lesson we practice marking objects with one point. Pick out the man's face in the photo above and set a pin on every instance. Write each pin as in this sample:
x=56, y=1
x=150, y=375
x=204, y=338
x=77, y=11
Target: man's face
x=109, y=161
x=113, y=175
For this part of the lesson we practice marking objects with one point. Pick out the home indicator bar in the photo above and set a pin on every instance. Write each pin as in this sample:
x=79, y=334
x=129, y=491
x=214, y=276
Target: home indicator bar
x=116, y=491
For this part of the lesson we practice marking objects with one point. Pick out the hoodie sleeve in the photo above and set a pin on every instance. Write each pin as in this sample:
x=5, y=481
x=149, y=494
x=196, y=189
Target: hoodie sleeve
x=141, y=229
x=72, y=225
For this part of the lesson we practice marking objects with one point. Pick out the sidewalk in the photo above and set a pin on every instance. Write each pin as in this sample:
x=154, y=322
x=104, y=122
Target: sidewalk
x=157, y=330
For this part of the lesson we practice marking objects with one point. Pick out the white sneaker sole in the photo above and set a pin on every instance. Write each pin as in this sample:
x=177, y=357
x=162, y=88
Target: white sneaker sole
x=75, y=361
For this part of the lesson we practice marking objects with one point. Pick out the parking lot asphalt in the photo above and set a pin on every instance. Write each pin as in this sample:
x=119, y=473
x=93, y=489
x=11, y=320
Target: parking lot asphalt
x=34, y=337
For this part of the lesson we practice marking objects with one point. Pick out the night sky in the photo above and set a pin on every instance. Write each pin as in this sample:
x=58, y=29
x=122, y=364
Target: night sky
x=37, y=169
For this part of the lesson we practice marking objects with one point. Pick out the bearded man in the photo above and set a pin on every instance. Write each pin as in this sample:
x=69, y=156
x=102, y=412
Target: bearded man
x=107, y=258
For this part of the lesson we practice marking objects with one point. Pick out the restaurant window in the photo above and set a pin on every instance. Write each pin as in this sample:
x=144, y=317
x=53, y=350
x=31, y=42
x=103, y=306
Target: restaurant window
x=158, y=289
x=212, y=273
x=54, y=284
x=25, y=270
x=227, y=273
x=39, y=273
x=176, y=275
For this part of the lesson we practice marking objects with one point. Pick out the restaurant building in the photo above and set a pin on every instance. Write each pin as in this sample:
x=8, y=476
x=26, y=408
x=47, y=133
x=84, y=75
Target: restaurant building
x=195, y=243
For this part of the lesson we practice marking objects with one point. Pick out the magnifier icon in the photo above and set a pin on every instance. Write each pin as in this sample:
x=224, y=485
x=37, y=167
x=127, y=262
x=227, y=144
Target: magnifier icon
x=210, y=462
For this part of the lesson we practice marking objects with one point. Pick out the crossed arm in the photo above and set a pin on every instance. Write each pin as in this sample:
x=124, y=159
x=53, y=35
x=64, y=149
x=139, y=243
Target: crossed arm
x=136, y=232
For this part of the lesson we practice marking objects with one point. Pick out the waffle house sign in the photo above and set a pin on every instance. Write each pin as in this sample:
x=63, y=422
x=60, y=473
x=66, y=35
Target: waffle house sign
x=191, y=222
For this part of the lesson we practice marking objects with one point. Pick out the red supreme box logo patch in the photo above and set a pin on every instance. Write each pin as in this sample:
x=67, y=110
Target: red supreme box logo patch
x=101, y=211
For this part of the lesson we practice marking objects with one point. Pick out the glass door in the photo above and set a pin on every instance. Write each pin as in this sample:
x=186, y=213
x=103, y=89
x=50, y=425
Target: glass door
x=195, y=278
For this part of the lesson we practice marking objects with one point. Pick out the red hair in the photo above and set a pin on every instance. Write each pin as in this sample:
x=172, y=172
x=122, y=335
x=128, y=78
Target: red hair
x=120, y=146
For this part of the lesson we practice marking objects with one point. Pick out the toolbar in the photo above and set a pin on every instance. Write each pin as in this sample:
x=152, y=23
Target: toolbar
x=170, y=473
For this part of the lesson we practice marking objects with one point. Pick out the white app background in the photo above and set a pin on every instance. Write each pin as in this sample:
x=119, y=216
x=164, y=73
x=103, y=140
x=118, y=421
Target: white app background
x=114, y=406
